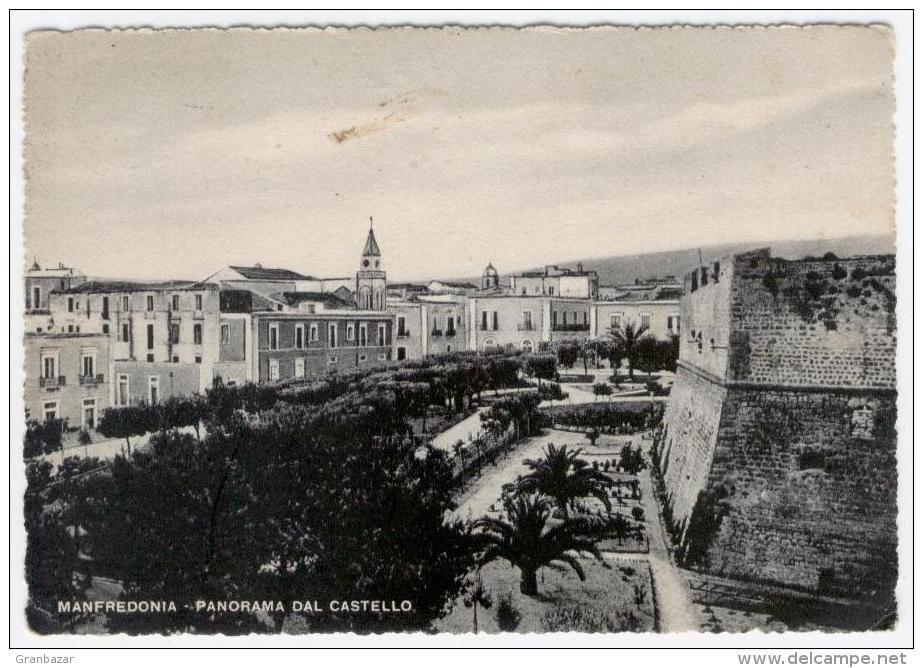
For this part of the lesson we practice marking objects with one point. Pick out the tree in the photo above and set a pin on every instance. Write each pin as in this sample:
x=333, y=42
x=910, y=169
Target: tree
x=627, y=340
x=43, y=437
x=602, y=389
x=476, y=595
x=125, y=422
x=527, y=540
x=567, y=354
x=649, y=355
x=563, y=476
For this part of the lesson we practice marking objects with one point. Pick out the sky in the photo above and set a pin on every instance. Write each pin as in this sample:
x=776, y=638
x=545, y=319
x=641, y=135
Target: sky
x=170, y=154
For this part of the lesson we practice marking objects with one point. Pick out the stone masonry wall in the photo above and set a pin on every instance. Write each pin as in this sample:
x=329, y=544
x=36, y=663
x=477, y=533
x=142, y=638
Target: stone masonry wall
x=778, y=452
x=828, y=323
x=685, y=456
x=805, y=489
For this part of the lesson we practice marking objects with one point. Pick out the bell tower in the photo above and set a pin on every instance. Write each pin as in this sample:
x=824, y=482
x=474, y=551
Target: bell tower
x=371, y=277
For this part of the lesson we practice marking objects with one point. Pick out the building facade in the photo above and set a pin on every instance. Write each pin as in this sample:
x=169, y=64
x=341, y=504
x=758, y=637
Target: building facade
x=67, y=377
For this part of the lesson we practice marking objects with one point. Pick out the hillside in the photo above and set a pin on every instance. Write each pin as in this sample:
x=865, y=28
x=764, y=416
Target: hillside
x=619, y=269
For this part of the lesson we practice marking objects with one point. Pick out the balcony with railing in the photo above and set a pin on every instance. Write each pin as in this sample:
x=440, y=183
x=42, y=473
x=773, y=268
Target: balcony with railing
x=92, y=380
x=150, y=315
x=51, y=382
x=571, y=327
x=449, y=333
x=525, y=327
x=402, y=334
x=436, y=332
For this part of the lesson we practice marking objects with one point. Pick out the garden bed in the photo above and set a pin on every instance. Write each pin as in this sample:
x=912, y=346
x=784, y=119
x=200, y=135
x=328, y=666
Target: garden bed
x=616, y=596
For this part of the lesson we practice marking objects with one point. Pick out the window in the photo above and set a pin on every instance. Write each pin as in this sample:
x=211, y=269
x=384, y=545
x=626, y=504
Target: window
x=89, y=413
x=175, y=359
x=273, y=369
x=274, y=336
x=450, y=325
x=70, y=329
x=401, y=353
x=313, y=332
x=125, y=331
x=401, y=325
x=105, y=328
x=526, y=346
x=50, y=410
x=496, y=324
x=226, y=333
x=88, y=363
x=49, y=364
x=36, y=297
x=615, y=320
x=153, y=389
x=332, y=335
x=150, y=357
x=673, y=324
x=527, y=319
x=150, y=337
x=299, y=336
x=382, y=357
x=198, y=302
x=484, y=320
x=174, y=302
x=198, y=359
x=363, y=357
x=551, y=290
x=122, y=396
x=197, y=333
x=173, y=332
x=299, y=367
x=150, y=302
x=331, y=359
x=646, y=320
x=363, y=334
x=382, y=334
x=125, y=302
x=70, y=304
x=554, y=318
x=350, y=332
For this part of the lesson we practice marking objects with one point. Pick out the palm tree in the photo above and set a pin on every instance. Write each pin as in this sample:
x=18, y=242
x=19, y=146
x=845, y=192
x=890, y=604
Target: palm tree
x=628, y=339
x=563, y=476
x=525, y=539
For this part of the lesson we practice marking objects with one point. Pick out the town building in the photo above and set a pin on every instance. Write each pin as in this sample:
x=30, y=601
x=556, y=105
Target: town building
x=67, y=377
x=508, y=321
x=163, y=335
x=39, y=284
x=554, y=281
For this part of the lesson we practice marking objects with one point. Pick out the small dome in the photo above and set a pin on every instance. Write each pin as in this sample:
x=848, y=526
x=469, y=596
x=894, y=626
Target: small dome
x=490, y=270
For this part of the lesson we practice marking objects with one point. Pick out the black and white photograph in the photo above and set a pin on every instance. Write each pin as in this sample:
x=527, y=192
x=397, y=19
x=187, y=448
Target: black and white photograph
x=447, y=330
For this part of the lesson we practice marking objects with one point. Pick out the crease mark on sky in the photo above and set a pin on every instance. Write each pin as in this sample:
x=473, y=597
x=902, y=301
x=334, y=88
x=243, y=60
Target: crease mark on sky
x=407, y=106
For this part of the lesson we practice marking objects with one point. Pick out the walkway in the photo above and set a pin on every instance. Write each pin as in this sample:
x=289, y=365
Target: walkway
x=672, y=596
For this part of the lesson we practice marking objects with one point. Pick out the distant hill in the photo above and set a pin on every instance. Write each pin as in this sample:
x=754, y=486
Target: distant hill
x=620, y=269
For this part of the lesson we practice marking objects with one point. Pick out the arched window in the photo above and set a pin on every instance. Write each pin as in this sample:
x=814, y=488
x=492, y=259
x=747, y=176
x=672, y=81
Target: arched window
x=527, y=346
x=489, y=343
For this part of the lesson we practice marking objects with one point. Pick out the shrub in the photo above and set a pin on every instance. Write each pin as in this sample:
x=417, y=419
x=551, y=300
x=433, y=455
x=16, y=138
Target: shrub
x=858, y=273
x=838, y=272
x=581, y=620
x=508, y=616
x=84, y=437
x=637, y=513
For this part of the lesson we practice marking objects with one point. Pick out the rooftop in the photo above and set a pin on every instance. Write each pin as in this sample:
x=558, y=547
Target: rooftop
x=328, y=298
x=133, y=286
x=260, y=273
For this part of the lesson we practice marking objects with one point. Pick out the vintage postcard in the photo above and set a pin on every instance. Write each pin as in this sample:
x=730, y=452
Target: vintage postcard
x=459, y=330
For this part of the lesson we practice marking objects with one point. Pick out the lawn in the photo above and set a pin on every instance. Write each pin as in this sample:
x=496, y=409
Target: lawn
x=616, y=596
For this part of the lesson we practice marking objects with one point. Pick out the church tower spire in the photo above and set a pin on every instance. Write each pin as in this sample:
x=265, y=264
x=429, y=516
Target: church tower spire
x=371, y=277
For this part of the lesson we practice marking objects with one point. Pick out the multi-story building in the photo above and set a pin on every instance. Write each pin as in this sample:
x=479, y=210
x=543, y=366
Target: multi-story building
x=522, y=323
x=556, y=281
x=163, y=336
x=67, y=377
x=39, y=284
x=660, y=318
